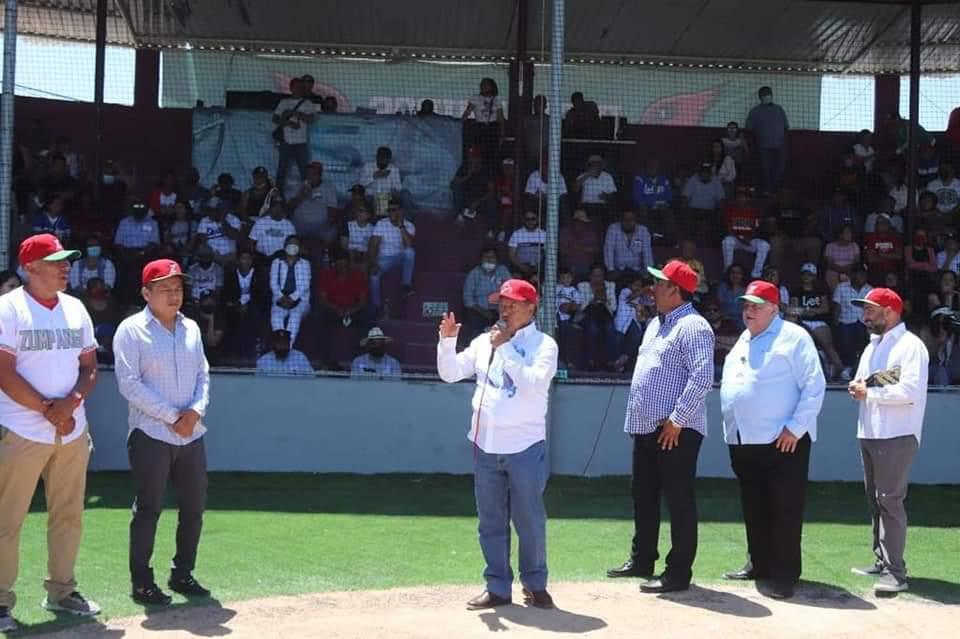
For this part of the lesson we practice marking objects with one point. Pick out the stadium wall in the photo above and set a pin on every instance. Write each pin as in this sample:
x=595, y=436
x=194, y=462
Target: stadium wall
x=339, y=425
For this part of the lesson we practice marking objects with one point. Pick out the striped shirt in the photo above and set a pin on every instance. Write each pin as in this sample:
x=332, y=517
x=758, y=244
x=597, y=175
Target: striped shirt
x=673, y=374
x=161, y=374
x=480, y=284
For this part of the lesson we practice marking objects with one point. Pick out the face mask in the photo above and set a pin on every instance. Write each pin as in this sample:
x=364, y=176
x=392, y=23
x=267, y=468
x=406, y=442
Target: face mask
x=109, y=179
x=376, y=352
x=93, y=251
x=489, y=266
x=292, y=250
x=767, y=99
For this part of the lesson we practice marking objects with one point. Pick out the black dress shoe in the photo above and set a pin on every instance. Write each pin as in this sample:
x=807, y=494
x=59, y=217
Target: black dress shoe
x=776, y=590
x=487, y=600
x=659, y=585
x=538, y=599
x=151, y=596
x=744, y=574
x=187, y=585
x=630, y=568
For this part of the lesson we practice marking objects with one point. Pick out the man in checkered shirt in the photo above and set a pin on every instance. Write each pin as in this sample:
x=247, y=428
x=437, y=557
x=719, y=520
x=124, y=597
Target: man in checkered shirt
x=667, y=419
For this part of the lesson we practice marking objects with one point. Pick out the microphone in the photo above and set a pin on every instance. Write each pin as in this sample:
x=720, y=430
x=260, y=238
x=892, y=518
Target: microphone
x=500, y=326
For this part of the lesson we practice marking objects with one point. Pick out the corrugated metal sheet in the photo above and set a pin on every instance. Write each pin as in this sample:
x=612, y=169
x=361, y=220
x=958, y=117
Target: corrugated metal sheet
x=825, y=36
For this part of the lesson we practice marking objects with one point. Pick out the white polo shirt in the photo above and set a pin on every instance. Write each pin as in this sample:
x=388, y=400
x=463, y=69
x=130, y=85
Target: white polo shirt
x=47, y=344
x=894, y=410
x=270, y=234
x=216, y=238
x=510, y=402
x=594, y=188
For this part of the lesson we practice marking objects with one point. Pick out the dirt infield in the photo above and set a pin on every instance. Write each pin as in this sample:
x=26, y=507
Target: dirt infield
x=612, y=609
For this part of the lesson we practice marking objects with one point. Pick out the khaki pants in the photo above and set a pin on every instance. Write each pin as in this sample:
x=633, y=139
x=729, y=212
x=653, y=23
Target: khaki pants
x=64, y=472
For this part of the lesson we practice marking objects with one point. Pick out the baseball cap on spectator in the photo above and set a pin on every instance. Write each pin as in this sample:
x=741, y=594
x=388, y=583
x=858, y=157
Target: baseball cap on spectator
x=45, y=247
x=516, y=290
x=809, y=267
x=164, y=269
x=760, y=292
x=678, y=273
x=882, y=297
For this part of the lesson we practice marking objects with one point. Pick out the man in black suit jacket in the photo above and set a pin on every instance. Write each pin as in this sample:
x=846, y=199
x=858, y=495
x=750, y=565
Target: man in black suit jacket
x=246, y=299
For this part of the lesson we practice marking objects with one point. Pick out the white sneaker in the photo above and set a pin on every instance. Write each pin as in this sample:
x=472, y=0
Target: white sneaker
x=74, y=603
x=846, y=374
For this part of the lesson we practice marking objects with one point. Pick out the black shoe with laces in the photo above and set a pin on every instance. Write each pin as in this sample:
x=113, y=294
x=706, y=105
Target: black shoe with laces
x=151, y=596
x=187, y=585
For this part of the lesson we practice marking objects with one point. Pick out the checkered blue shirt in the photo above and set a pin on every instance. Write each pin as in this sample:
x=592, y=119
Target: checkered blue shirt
x=674, y=372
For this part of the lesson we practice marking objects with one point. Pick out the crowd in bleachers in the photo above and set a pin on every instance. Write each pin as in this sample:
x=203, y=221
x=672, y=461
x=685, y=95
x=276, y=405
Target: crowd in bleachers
x=277, y=270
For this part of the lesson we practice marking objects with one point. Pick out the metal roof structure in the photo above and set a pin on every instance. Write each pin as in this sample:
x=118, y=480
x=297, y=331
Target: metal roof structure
x=799, y=35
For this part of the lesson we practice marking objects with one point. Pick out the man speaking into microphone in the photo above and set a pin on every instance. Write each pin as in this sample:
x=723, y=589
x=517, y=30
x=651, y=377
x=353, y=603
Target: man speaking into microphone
x=514, y=364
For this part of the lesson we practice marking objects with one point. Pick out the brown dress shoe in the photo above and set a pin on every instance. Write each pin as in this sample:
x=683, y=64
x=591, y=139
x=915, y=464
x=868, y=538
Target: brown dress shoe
x=538, y=599
x=487, y=600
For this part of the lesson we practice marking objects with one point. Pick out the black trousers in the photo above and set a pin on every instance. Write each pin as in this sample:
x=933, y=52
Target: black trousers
x=669, y=475
x=153, y=464
x=773, y=491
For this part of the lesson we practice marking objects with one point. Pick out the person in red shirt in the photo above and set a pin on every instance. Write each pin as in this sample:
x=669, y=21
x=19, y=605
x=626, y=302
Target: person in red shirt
x=884, y=250
x=341, y=293
x=163, y=198
x=742, y=221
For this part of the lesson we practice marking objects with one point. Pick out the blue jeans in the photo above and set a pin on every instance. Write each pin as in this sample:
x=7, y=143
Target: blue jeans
x=773, y=164
x=511, y=487
x=404, y=260
x=299, y=154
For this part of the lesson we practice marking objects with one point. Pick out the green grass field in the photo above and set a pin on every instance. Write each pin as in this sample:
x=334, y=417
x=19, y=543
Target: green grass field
x=274, y=534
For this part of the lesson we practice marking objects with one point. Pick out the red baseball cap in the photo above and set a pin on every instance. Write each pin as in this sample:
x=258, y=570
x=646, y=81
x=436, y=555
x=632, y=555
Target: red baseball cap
x=44, y=247
x=516, y=290
x=679, y=273
x=760, y=292
x=161, y=270
x=883, y=297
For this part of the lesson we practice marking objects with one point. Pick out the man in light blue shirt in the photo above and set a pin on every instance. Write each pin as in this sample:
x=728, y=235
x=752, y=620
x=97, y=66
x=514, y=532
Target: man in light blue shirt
x=282, y=360
x=163, y=374
x=770, y=396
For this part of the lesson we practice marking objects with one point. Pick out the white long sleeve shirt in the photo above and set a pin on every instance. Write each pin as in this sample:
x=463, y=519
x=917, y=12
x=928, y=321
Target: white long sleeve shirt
x=895, y=410
x=510, y=401
x=770, y=382
x=278, y=277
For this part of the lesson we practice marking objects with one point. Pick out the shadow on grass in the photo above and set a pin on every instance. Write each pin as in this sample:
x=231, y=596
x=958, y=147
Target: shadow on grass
x=452, y=496
x=199, y=617
x=717, y=601
x=557, y=620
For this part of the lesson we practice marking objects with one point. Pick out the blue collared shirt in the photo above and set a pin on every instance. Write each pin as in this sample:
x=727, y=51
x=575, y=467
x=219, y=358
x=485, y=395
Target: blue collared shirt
x=673, y=374
x=771, y=381
x=161, y=374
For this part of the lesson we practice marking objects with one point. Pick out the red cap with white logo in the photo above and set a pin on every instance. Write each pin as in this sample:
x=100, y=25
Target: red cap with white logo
x=161, y=270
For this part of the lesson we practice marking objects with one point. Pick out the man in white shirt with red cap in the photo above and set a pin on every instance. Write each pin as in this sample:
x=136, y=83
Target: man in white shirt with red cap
x=771, y=393
x=514, y=364
x=48, y=366
x=891, y=386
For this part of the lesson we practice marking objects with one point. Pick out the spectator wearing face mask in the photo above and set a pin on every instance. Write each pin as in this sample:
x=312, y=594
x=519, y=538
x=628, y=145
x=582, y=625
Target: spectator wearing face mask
x=290, y=277
x=93, y=265
x=375, y=362
x=281, y=360
x=482, y=280
x=206, y=276
x=768, y=124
